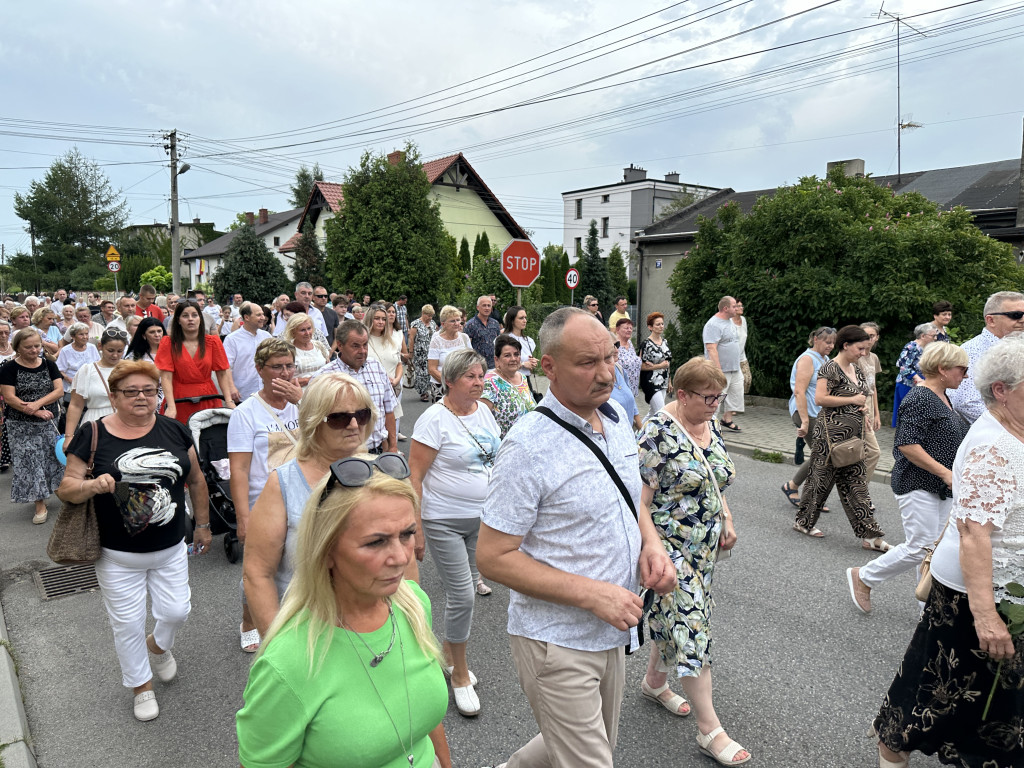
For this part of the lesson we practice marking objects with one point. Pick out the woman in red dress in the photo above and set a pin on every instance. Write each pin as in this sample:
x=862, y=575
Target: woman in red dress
x=186, y=359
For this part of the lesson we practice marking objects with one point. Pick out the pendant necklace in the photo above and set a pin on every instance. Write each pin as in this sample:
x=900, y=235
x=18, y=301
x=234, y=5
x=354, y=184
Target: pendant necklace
x=376, y=660
x=377, y=657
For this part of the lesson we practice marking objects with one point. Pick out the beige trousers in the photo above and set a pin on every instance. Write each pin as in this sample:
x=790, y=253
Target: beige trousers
x=872, y=453
x=576, y=697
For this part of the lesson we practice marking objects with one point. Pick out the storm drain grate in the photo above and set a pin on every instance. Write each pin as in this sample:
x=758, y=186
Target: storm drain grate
x=64, y=580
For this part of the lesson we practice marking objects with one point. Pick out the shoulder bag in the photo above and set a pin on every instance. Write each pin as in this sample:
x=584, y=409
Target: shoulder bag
x=75, y=538
x=848, y=451
x=924, y=586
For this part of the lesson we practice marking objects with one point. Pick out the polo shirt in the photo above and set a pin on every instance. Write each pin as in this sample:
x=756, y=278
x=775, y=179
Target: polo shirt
x=240, y=347
x=966, y=398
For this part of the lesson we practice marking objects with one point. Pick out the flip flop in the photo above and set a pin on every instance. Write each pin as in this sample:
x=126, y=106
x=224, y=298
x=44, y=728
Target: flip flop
x=250, y=641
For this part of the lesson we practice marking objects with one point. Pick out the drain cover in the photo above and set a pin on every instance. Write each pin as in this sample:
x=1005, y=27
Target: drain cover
x=64, y=580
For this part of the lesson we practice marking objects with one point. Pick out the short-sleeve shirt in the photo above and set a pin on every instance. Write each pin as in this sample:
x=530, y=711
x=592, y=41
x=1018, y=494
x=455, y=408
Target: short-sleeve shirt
x=440, y=347
x=146, y=511
x=570, y=516
x=240, y=348
x=249, y=432
x=656, y=353
x=69, y=359
x=29, y=384
x=925, y=420
x=509, y=401
x=909, y=364
x=483, y=336
x=724, y=333
x=151, y=311
x=455, y=486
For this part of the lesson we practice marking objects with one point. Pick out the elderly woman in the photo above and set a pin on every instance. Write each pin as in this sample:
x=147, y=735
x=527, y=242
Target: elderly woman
x=420, y=333
x=67, y=318
x=803, y=408
x=962, y=660
x=271, y=414
x=44, y=320
x=909, y=374
x=621, y=392
x=335, y=419
x=20, y=318
x=310, y=355
x=73, y=356
x=90, y=388
x=82, y=315
x=141, y=466
x=350, y=663
x=451, y=457
x=6, y=353
x=31, y=387
x=928, y=434
x=840, y=393
x=685, y=467
x=629, y=360
x=655, y=359
x=506, y=390
x=448, y=339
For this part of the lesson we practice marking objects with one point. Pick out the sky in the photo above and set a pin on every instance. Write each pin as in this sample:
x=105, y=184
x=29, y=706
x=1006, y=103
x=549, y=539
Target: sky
x=541, y=97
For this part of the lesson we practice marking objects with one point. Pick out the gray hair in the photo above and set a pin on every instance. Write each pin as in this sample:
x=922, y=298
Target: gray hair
x=303, y=284
x=924, y=328
x=458, y=363
x=1004, y=362
x=347, y=328
x=997, y=300
x=871, y=325
x=550, y=336
x=78, y=328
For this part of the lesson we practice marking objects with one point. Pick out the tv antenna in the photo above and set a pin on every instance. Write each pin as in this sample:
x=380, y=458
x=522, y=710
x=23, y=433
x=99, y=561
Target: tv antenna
x=901, y=125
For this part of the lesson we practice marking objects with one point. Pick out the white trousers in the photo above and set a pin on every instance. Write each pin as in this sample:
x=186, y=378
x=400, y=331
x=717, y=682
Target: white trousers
x=125, y=578
x=923, y=514
x=657, y=401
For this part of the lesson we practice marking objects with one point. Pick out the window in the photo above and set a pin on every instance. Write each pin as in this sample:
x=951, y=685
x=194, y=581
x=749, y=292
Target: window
x=605, y=198
x=277, y=241
x=579, y=209
x=604, y=227
x=579, y=247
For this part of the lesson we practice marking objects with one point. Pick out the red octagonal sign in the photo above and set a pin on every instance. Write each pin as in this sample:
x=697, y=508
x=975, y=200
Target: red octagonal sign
x=520, y=263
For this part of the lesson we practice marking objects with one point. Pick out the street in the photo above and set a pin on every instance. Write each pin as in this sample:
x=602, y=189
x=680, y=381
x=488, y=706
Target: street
x=799, y=673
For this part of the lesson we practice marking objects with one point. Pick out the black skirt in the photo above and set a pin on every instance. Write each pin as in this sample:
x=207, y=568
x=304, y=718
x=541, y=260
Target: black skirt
x=936, y=700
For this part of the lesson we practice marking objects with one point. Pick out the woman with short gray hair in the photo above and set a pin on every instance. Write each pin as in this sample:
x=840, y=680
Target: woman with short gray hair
x=452, y=453
x=909, y=373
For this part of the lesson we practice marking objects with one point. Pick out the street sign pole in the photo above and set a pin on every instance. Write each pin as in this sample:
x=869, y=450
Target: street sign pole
x=519, y=296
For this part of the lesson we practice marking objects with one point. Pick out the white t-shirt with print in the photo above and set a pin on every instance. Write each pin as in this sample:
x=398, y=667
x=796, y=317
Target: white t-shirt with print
x=455, y=486
x=248, y=432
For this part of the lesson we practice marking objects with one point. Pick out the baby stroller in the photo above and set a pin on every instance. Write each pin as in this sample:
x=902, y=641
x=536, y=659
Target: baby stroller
x=210, y=435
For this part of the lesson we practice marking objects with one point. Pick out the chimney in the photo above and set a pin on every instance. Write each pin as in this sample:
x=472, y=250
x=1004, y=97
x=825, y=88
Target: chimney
x=250, y=219
x=264, y=215
x=633, y=174
x=396, y=157
x=853, y=167
x=673, y=177
x=1020, y=191
x=195, y=221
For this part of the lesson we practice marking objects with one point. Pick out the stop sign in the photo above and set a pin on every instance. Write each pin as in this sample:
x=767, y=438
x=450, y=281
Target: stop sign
x=520, y=263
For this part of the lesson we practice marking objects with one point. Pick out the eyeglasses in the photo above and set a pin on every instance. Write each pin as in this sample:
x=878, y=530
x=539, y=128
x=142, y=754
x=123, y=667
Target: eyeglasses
x=282, y=367
x=1015, y=315
x=132, y=392
x=342, y=419
x=708, y=399
x=354, y=472
x=319, y=295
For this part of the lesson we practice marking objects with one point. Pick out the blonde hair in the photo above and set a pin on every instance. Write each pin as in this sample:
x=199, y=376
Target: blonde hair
x=318, y=401
x=299, y=318
x=941, y=355
x=40, y=314
x=272, y=347
x=388, y=336
x=310, y=595
x=448, y=312
x=698, y=372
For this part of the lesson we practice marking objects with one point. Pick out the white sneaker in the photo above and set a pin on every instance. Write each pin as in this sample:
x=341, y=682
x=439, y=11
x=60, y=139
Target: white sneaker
x=146, y=707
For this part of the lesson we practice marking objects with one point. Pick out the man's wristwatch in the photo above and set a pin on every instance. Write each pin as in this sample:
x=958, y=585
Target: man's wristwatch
x=203, y=525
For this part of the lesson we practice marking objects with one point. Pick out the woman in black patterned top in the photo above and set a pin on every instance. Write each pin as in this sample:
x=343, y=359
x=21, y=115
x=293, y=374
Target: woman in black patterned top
x=841, y=393
x=928, y=434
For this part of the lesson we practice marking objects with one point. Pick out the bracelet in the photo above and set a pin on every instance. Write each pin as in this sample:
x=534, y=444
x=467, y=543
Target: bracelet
x=203, y=525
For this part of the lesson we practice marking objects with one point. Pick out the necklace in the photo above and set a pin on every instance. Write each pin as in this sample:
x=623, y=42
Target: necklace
x=408, y=701
x=486, y=457
x=377, y=657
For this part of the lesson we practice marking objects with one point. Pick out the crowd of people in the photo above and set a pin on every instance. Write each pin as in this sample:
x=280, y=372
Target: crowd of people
x=335, y=521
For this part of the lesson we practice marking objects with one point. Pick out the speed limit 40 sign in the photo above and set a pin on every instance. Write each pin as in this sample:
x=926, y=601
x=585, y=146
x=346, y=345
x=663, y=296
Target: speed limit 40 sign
x=572, y=279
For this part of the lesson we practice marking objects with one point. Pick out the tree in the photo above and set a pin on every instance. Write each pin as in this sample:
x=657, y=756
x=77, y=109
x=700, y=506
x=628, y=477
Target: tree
x=250, y=269
x=388, y=238
x=564, y=294
x=594, y=273
x=310, y=265
x=553, y=277
x=482, y=246
x=678, y=203
x=159, y=277
x=74, y=214
x=465, y=259
x=303, y=186
x=834, y=252
x=617, y=278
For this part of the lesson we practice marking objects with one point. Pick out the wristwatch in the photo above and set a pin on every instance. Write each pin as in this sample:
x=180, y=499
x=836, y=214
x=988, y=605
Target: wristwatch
x=203, y=525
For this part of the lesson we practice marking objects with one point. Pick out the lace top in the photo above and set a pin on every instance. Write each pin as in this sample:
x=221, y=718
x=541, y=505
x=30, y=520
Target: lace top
x=986, y=490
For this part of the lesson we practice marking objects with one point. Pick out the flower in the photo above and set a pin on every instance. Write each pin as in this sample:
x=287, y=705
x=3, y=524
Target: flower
x=1013, y=614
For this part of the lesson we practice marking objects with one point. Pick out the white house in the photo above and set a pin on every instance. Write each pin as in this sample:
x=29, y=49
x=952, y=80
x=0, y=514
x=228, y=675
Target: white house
x=274, y=228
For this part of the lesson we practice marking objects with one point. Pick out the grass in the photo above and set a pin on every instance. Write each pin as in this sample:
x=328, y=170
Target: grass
x=771, y=457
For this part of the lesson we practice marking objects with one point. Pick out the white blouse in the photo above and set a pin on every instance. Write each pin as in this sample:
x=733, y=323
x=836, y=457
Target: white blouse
x=91, y=383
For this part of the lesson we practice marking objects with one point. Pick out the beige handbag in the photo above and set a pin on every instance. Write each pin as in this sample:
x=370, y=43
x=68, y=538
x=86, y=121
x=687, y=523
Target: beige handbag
x=847, y=452
x=924, y=586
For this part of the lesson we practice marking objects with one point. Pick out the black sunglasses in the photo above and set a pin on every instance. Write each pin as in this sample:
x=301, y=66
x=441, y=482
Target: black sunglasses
x=353, y=472
x=319, y=295
x=1015, y=315
x=342, y=419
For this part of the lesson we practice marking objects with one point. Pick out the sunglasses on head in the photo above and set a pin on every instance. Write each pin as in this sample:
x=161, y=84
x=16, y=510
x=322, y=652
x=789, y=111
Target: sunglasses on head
x=1015, y=315
x=354, y=472
x=342, y=419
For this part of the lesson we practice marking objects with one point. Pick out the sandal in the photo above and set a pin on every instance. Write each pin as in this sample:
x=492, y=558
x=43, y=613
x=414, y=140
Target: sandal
x=793, y=494
x=812, y=532
x=726, y=754
x=250, y=640
x=731, y=426
x=448, y=674
x=883, y=761
x=672, y=704
x=877, y=544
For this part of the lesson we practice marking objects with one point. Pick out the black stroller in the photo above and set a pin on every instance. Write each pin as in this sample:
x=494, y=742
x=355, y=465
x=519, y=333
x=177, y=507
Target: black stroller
x=210, y=435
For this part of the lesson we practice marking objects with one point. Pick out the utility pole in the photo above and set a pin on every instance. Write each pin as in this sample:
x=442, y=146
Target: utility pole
x=35, y=264
x=900, y=125
x=175, y=235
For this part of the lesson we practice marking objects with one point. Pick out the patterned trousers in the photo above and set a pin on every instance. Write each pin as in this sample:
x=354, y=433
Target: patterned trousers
x=852, y=484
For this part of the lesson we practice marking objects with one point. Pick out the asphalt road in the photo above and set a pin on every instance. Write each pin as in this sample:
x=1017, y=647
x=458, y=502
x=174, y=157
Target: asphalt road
x=798, y=672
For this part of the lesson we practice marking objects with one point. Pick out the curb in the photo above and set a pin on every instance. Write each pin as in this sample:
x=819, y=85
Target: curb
x=13, y=722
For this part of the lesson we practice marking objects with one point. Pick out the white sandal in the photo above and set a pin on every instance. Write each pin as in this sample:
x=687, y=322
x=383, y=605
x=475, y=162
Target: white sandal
x=726, y=754
x=672, y=704
x=145, y=706
x=250, y=640
x=448, y=674
x=466, y=701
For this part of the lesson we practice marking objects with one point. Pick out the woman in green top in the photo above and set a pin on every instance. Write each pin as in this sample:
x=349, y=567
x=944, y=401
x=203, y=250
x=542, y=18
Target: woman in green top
x=350, y=656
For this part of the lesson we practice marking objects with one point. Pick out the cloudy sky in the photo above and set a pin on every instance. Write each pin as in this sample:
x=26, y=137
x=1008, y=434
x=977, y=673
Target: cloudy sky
x=542, y=97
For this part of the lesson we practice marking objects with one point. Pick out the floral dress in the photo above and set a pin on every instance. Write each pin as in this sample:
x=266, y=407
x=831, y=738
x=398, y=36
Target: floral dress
x=630, y=362
x=687, y=513
x=509, y=401
x=424, y=332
